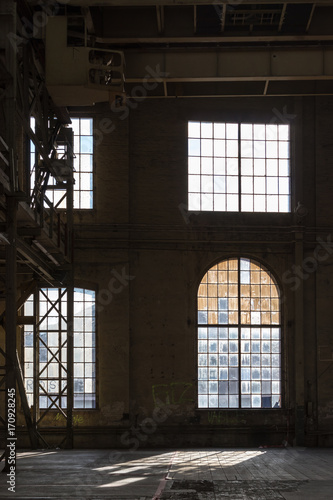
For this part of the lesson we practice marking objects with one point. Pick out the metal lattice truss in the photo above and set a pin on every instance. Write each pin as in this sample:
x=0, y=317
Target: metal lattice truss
x=52, y=374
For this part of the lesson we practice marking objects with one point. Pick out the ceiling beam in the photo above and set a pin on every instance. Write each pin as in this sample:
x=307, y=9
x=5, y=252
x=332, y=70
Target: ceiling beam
x=214, y=39
x=223, y=17
x=158, y=72
x=232, y=64
x=310, y=17
x=194, y=19
x=283, y=12
x=153, y=3
x=160, y=18
x=89, y=20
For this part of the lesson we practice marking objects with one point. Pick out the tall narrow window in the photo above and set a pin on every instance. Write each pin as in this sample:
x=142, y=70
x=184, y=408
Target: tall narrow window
x=236, y=167
x=239, y=337
x=50, y=334
x=83, y=162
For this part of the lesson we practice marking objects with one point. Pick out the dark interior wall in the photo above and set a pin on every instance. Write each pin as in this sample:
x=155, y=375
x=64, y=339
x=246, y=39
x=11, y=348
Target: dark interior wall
x=145, y=255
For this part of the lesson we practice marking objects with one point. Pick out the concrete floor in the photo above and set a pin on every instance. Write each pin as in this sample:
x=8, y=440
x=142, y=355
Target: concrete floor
x=198, y=474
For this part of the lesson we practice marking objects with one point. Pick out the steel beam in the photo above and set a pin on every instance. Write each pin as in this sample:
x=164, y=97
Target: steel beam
x=310, y=18
x=153, y=3
x=9, y=9
x=24, y=296
x=221, y=40
x=252, y=64
x=70, y=310
x=299, y=347
x=33, y=436
x=36, y=413
x=10, y=327
x=162, y=67
x=37, y=261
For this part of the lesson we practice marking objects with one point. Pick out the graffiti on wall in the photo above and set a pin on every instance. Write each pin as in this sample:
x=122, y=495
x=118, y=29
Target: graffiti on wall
x=173, y=393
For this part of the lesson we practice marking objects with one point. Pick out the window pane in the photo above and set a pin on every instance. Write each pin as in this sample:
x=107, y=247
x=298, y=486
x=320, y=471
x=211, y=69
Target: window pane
x=232, y=203
x=86, y=126
x=193, y=201
x=246, y=131
x=194, y=165
x=219, y=148
x=194, y=147
x=206, y=129
x=206, y=147
x=207, y=202
x=194, y=129
x=219, y=130
x=194, y=183
x=206, y=166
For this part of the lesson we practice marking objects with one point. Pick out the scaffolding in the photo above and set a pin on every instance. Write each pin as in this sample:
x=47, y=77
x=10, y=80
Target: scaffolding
x=35, y=235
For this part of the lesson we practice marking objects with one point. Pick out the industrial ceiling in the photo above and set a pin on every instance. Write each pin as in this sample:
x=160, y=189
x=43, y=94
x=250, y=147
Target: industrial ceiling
x=221, y=48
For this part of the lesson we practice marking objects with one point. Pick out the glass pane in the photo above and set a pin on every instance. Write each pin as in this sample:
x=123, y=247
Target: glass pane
x=219, y=148
x=207, y=183
x=194, y=129
x=232, y=131
x=206, y=147
x=246, y=131
x=206, y=166
x=194, y=201
x=194, y=183
x=86, y=163
x=86, y=126
x=194, y=165
x=206, y=129
x=219, y=130
x=232, y=149
x=194, y=147
x=86, y=144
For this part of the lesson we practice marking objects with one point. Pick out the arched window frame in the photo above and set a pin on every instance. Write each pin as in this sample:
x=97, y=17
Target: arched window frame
x=221, y=390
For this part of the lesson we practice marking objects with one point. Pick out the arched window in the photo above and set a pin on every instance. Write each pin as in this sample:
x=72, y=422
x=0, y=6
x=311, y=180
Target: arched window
x=239, y=337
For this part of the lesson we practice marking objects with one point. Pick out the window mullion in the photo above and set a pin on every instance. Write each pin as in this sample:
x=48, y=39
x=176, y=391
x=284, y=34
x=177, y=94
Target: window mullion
x=239, y=337
x=239, y=170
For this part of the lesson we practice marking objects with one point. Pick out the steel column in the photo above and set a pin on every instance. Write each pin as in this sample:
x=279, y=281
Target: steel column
x=70, y=318
x=10, y=327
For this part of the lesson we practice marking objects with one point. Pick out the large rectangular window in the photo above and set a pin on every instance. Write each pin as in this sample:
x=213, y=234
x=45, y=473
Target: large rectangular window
x=236, y=167
x=50, y=307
